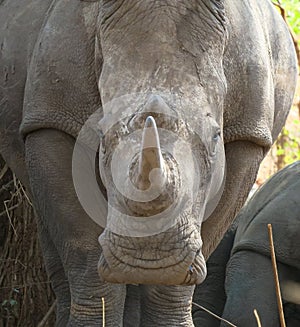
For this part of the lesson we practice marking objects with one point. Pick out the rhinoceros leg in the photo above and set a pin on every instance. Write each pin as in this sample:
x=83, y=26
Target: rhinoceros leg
x=211, y=293
x=132, y=309
x=250, y=285
x=73, y=233
x=57, y=276
x=242, y=163
x=173, y=303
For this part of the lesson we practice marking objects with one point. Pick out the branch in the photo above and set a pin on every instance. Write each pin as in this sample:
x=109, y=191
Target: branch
x=6, y=187
x=275, y=271
x=3, y=171
x=47, y=315
x=213, y=314
x=103, y=312
x=7, y=210
x=257, y=318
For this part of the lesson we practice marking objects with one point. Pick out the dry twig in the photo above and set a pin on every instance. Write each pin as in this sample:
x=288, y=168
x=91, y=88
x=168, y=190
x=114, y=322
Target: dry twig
x=3, y=171
x=103, y=312
x=275, y=271
x=47, y=315
x=6, y=187
x=9, y=216
x=213, y=314
x=257, y=318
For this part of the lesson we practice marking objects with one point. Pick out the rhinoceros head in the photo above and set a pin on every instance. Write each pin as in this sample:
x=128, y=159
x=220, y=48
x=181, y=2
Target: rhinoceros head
x=163, y=176
x=161, y=157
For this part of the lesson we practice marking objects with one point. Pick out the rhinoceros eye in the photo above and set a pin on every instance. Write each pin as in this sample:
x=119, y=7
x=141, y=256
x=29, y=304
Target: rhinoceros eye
x=217, y=135
x=102, y=141
x=214, y=144
x=123, y=129
x=103, y=148
x=101, y=134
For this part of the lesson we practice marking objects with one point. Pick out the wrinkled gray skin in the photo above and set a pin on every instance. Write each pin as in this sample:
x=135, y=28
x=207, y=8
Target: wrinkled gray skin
x=240, y=276
x=211, y=293
x=61, y=60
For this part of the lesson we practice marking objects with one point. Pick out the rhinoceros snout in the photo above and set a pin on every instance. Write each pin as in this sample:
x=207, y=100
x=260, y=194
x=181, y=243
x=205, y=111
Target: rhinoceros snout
x=170, y=258
x=153, y=174
x=152, y=235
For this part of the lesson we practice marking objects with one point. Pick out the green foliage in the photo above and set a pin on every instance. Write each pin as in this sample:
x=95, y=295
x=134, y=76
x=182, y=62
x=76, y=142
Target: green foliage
x=288, y=143
x=292, y=9
x=288, y=147
x=8, y=309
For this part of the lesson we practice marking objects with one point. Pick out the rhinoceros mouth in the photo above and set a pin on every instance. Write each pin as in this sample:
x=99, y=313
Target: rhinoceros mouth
x=183, y=273
x=182, y=266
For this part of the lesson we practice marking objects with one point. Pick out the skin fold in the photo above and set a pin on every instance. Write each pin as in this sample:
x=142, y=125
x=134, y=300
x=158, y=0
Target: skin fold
x=215, y=78
x=211, y=293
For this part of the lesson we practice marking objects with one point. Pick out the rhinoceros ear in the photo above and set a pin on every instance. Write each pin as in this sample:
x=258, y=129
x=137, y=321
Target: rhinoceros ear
x=218, y=5
x=218, y=2
x=218, y=9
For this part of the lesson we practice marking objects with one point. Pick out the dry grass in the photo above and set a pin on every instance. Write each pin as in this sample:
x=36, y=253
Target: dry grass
x=25, y=292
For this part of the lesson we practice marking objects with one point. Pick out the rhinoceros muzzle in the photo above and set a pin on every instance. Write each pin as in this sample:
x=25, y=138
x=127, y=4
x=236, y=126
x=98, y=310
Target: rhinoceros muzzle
x=154, y=174
x=152, y=234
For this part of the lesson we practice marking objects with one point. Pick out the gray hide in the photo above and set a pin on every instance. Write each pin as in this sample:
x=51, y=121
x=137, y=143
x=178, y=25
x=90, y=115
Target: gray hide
x=211, y=293
x=242, y=261
x=249, y=279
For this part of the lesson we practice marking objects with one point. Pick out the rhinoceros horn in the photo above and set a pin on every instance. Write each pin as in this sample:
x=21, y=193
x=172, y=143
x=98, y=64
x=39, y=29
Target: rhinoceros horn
x=157, y=177
x=151, y=167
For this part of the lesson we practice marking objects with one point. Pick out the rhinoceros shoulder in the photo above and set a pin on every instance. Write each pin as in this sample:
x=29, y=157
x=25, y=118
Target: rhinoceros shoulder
x=61, y=88
x=260, y=70
x=277, y=203
x=20, y=23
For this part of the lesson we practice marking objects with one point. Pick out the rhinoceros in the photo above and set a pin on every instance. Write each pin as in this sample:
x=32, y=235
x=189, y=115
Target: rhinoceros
x=178, y=102
x=240, y=273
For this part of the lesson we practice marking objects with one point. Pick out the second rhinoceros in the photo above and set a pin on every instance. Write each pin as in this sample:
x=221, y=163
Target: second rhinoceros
x=240, y=273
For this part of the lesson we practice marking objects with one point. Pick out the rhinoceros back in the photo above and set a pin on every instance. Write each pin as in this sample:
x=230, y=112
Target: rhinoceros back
x=261, y=71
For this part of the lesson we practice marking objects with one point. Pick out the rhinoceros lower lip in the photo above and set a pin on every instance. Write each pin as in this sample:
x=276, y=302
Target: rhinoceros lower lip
x=189, y=271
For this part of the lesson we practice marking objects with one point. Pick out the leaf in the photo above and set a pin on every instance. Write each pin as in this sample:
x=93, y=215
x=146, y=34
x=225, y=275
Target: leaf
x=13, y=302
x=4, y=303
x=280, y=152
